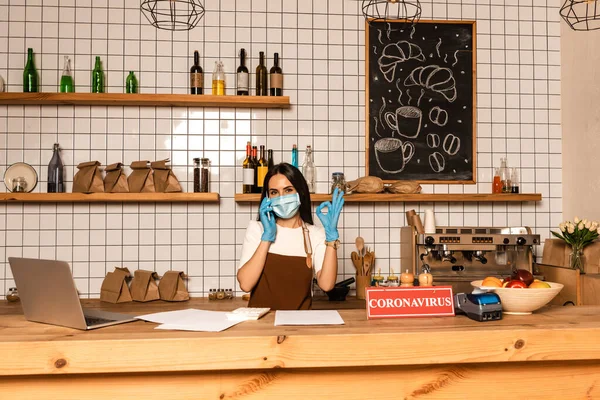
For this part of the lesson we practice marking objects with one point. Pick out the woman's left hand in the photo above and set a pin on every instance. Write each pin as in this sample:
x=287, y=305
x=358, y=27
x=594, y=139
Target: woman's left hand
x=330, y=220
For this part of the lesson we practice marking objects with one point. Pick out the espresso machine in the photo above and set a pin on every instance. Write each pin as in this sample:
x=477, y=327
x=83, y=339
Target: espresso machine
x=458, y=255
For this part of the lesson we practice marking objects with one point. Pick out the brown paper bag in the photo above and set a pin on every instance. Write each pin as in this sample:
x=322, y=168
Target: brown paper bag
x=143, y=286
x=141, y=180
x=172, y=287
x=88, y=179
x=165, y=180
x=115, y=180
x=114, y=287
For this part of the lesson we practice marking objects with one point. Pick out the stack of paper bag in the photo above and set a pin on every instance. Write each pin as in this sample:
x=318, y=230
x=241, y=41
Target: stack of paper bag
x=115, y=180
x=143, y=286
x=114, y=287
x=165, y=180
x=141, y=179
x=88, y=179
x=172, y=287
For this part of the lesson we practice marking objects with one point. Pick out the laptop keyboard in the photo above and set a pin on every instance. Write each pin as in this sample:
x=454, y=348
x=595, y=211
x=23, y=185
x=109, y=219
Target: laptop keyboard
x=91, y=321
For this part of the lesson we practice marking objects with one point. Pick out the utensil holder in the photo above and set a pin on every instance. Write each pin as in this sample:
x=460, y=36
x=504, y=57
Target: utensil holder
x=362, y=281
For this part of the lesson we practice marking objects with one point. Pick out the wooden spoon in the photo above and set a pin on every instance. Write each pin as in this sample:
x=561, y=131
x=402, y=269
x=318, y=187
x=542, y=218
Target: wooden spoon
x=357, y=261
x=367, y=264
x=360, y=245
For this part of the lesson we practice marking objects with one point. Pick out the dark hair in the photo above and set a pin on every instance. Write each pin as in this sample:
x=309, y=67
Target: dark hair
x=295, y=177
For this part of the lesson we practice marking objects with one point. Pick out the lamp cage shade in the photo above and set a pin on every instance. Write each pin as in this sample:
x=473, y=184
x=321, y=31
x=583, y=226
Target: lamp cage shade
x=173, y=15
x=581, y=15
x=388, y=10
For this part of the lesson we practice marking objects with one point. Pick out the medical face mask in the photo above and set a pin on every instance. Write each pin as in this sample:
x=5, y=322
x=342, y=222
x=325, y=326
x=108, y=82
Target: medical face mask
x=286, y=206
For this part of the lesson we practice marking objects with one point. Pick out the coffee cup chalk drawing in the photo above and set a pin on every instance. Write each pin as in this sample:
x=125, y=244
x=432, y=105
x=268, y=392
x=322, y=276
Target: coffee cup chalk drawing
x=421, y=103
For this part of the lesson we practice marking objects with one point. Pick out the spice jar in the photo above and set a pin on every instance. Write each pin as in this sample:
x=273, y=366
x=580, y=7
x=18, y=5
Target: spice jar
x=338, y=181
x=12, y=295
x=204, y=175
x=212, y=295
x=197, y=176
x=407, y=279
x=220, y=294
x=378, y=279
x=229, y=294
x=392, y=280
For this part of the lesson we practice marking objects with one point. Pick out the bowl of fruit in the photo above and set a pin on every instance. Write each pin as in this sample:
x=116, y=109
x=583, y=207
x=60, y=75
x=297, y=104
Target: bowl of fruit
x=520, y=293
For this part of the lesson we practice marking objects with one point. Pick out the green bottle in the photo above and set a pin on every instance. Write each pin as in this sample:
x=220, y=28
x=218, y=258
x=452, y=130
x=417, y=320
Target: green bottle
x=98, y=77
x=131, y=83
x=30, y=75
x=66, y=80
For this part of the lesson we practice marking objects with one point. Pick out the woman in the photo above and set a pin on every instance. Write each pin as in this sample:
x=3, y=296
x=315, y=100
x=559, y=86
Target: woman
x=283, y=247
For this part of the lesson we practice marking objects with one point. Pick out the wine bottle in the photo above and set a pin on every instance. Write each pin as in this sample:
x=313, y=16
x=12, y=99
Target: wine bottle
x=55, y=172
x=196, y=76
x=131, y=83
x=255, y=167
x=308, y=170
x=66, y=80
x=218, y=80
x=248, y=171
x=261, y=76
x=30, y=75
x=270, y=162
x=262, y=168
x=98, y=77
x=276, y=77
x=243, y=80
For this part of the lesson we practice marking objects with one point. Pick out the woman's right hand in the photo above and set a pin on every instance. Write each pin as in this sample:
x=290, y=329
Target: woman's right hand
x=268, y=221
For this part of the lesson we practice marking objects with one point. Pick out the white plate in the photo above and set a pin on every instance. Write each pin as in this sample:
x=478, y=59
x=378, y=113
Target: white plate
x=24, y=170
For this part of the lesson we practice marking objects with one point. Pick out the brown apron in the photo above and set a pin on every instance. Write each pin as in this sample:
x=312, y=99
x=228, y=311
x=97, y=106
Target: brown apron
x=285, y=282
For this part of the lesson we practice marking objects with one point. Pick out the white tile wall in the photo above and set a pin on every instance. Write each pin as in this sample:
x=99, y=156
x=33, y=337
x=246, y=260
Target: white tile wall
x=321, y=43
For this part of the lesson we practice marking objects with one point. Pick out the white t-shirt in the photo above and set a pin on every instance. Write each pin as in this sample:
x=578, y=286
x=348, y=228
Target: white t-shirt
x=288, y=242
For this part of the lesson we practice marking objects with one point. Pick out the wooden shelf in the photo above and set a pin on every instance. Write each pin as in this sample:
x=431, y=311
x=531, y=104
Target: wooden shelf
x=423, y=197
x=152, y=100
x=108, y=197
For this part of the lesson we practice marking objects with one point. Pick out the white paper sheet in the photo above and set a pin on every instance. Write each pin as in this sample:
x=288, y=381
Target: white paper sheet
x=191, y=320
x=308, y=317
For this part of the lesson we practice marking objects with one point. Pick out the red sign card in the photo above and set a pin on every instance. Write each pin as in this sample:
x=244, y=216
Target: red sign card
x=398, y=302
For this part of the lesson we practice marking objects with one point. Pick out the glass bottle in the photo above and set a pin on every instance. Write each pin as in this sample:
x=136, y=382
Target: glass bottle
x=218, y=80
x=196, y=76
x=248, y=171
x=1, y=84
x=497, y=183
x=98, y=77
x=255, y=188
x=196, y=175
x=204, y=175
x=131, y=83
x=276, y=77
x=308, y=169
x=262, y=169
x=30, y=75
x=295, y=156
x=514, y=180
x=56, y=167
x=243, y=81
x=270, y=162
x=261, y=76
x=504, y=176
x=66, y=79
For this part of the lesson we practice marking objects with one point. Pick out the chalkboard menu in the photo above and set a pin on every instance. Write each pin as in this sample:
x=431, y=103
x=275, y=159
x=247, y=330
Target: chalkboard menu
x=421, y=101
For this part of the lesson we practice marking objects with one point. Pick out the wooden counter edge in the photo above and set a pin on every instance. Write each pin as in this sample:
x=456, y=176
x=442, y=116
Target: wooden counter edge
x=301, y=351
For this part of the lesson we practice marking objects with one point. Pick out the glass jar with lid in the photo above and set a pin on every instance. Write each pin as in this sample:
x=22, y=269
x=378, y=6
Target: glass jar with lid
x=204, y=175
x=338, y=181
x=12, y=295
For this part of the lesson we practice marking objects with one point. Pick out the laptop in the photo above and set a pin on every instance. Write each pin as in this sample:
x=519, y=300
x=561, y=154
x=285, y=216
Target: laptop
x=48, y=295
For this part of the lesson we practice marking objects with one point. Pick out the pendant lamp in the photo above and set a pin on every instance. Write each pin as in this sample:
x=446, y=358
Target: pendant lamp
x=581, y=15
x=388, y=10
x=173, y=15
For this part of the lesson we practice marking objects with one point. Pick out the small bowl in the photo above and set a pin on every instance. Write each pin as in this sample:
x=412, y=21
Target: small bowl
x=338, y=293
x=522, y=301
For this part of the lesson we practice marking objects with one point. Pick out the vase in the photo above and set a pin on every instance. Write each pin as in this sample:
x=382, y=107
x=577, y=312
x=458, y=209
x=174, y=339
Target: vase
x=576, y=259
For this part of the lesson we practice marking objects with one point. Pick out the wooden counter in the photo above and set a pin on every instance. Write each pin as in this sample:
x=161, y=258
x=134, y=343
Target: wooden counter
x=551, y=354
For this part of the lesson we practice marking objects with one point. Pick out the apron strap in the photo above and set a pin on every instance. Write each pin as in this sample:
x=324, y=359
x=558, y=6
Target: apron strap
x=307, y=245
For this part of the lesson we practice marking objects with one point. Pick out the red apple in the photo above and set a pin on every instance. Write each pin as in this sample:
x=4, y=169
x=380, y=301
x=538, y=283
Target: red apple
x=522, y=275
x=507, y=279
x=515, y=284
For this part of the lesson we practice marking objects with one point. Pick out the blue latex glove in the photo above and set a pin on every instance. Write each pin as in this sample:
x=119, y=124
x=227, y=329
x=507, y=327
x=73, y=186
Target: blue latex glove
x=268, y=221
x=330, y=220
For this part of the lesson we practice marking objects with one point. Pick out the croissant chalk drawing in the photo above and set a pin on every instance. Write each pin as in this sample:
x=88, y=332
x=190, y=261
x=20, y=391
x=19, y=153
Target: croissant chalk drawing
x=435, y=78
x=396, y=53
